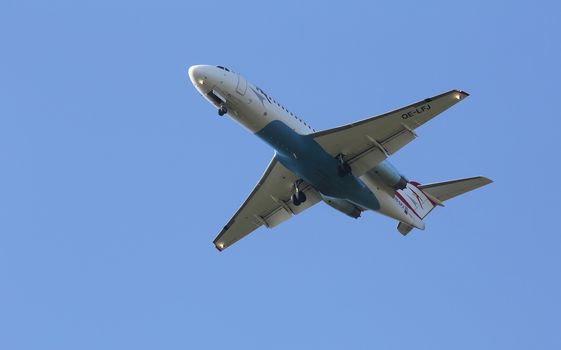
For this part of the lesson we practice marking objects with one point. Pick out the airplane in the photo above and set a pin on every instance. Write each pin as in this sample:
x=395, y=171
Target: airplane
x=345, y=167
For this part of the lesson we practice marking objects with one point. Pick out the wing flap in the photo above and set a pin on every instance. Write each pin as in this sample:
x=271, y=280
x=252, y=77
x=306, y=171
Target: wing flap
x=398, y=140
x=361, y=163
x=278, y=215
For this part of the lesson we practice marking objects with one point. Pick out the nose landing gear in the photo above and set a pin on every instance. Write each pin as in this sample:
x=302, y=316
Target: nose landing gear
x=298, y=197
x=222, y=110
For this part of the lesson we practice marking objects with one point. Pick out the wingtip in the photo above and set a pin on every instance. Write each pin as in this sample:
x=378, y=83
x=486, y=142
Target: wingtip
x=219, y=246
x=486, y=180
x=459, y=94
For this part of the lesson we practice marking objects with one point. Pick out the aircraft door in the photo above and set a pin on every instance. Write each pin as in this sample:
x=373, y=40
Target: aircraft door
x=242, y=85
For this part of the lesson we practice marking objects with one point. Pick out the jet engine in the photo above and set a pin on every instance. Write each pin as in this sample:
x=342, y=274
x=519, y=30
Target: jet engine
x=389, y=175
x=342, y=205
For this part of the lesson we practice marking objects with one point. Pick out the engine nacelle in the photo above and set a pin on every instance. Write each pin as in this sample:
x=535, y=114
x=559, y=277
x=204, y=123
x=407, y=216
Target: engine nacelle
x=389, y=175
x=342, y=205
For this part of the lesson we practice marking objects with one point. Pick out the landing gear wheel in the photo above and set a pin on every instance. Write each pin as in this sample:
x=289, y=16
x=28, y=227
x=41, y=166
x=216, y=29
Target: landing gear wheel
x=343, y=168
x=301, y=196
x=295, y=200
x=222, y=110
x=340, y=171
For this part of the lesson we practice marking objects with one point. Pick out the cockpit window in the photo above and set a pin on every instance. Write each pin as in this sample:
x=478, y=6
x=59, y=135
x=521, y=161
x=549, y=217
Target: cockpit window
x=223, y=68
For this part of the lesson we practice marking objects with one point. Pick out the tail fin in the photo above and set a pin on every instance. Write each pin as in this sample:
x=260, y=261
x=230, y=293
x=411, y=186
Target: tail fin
x=415, y=196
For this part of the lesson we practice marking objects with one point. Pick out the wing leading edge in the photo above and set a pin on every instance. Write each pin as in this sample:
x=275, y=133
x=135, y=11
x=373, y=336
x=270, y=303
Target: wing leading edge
x=367, y=142
x=268, y=204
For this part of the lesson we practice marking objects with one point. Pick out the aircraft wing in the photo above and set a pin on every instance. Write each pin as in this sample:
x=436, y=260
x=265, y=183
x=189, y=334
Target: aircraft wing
x=268, y=204
x=365, y=143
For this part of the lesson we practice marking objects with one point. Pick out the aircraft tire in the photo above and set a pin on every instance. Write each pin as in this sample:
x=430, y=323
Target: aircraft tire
x=295, y=200
x=340, y=171
x=343, y=170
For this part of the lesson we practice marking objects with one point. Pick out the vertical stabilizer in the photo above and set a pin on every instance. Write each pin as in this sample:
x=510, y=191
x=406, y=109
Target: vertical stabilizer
x=415, y=199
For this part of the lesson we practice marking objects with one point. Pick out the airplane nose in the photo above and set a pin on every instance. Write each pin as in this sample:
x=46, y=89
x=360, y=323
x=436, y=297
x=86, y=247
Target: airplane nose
x=197, y=74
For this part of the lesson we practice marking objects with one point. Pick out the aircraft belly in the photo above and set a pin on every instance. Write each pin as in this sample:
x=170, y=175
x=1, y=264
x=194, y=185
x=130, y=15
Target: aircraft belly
x=309, y=161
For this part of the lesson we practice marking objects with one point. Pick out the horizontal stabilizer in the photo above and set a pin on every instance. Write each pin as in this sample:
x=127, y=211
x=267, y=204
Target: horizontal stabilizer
x=443, y=191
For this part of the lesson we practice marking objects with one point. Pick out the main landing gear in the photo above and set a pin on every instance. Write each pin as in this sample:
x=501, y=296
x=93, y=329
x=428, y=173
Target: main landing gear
x=298, y=197
x=222, y=110
x=343, y=168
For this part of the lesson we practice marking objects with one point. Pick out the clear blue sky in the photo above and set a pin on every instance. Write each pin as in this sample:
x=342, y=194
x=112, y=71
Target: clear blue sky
x=116, y=176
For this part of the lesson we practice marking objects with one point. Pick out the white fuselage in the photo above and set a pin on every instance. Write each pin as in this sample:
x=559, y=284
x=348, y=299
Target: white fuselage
x=255, y=110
